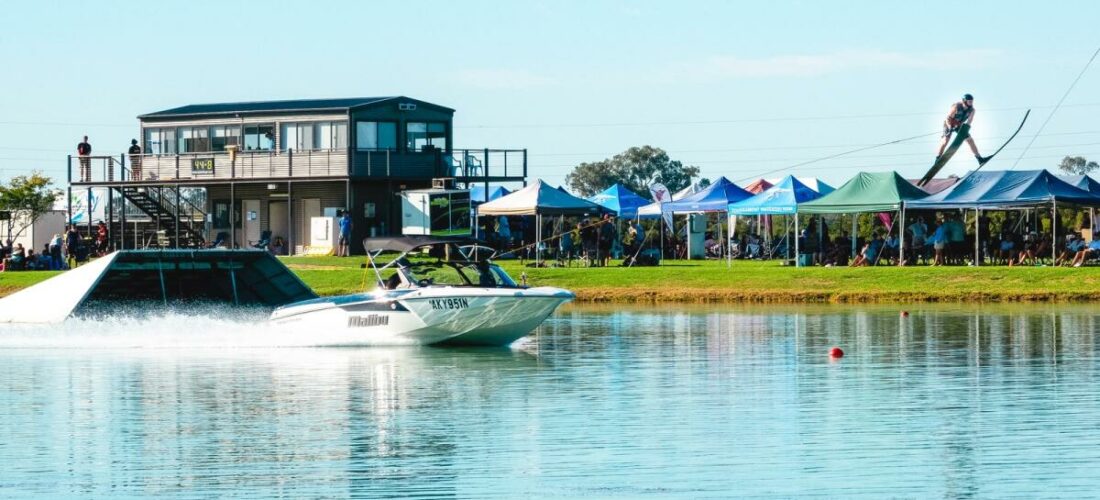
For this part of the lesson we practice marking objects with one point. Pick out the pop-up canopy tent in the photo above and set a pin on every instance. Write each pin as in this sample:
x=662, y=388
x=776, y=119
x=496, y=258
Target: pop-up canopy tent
x=811, y=182
x=781, y=199
x=758, y=186
x=620, y=200
x=938, y=184
x=477, y=193
x=714, y=198
x=1009, y=190
x=1082, y=182
x=653, y=210
x=540, y=199
x=868, y=192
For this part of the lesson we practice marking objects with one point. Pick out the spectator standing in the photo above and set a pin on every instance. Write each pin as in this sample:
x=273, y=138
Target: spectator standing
x=84, y=153
x=56, y=260
x=606, y=238
x=588, y=240
x=72, y=243
x=135, y=160
x=101, y=238
x=345, y=235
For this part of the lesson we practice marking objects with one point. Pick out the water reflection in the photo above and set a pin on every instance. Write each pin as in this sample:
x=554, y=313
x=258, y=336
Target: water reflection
x=604, y=401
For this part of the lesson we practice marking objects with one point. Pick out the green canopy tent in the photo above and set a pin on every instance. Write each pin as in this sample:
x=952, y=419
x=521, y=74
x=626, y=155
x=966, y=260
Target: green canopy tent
x=868, y=192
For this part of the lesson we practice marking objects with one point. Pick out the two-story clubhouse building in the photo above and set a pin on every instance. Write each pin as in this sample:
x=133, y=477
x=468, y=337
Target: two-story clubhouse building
x=271, y=166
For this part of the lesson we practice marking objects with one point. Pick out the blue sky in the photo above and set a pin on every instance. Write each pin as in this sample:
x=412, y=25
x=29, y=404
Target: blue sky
x=737, y=88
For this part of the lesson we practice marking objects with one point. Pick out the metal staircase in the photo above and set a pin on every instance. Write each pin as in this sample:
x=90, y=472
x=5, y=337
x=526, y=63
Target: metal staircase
x=171, y=217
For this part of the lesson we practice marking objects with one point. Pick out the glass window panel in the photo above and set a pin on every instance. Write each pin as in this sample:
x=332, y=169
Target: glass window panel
x=305, y=136
x=168, y=140
x=185, y=140
x=340, y=135
x=288, y=136
x=152, y=141
x=201, y=139
x=322, y=135
x=366, y=135
x=437, y=135
x=387, y=136
x=416, y=135
x=266, y=135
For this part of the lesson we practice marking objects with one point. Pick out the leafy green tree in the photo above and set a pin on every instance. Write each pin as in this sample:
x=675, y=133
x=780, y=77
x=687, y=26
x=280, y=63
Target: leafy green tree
x=636, y=168
x=23, y=200
x=1077, y=165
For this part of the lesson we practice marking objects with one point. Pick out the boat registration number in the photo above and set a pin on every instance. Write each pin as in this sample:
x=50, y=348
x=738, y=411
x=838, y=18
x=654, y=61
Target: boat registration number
x=447, y=304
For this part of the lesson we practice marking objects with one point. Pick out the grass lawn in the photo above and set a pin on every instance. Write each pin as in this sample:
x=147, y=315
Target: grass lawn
x=746, y=281
x=753, y=281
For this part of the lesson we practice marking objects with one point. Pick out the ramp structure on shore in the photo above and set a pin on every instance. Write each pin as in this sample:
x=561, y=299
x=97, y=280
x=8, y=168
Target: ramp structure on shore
x=166, y=277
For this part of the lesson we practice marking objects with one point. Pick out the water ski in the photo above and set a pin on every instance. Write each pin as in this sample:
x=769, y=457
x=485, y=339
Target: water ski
x=1013, y=136
x=960, y=137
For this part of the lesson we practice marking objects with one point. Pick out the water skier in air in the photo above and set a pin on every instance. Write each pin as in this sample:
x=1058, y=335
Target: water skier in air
x=961, y=113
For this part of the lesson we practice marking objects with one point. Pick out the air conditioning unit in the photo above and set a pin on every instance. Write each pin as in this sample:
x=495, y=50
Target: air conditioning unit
x=406, y=106
x=443, y=183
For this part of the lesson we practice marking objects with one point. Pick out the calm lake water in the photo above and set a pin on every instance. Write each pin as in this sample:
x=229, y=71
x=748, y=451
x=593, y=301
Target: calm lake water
x=603, y=402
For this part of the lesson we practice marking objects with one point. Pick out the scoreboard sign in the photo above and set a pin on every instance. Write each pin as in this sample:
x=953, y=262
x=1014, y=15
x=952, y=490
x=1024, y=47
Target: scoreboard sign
x=202, y=165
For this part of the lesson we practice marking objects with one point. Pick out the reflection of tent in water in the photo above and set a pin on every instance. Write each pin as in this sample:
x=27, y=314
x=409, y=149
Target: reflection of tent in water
x=165, y=277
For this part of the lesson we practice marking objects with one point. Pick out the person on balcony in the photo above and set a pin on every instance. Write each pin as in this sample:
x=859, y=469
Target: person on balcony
x=84, y=153
x=135, y=160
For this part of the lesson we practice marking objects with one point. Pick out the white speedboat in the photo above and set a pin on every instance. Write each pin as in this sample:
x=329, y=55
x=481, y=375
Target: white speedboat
x=435, y=291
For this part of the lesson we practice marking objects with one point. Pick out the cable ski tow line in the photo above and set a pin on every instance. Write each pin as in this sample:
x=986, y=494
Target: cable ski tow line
x=514, y=251
x=837, y=155
x=1056, y=106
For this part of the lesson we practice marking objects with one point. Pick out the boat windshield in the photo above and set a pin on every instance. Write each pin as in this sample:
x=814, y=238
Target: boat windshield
x=479, y=274
x=444, y=266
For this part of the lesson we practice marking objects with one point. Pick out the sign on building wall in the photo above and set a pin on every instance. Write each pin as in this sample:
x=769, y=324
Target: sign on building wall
x=202, y=165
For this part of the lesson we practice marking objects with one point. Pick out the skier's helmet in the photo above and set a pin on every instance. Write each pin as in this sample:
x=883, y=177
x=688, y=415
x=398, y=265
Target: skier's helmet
x=968, y=97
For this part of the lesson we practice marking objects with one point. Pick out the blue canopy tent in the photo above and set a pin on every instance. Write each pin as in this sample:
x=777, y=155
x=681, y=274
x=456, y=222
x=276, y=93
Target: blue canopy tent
x=477, y=193
x=780, y=199
x=1008, y=190
x=716, y=197
x=1082, y=182
x=619, y=199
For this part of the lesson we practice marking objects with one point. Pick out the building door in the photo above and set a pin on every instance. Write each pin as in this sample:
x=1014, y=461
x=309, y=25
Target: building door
x=276, y=221
x=250, y=222
x=311, y=207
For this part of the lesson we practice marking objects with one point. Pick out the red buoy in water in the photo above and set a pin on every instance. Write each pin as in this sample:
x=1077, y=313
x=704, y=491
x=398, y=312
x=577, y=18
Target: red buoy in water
x=905, y=314
x=836, y=352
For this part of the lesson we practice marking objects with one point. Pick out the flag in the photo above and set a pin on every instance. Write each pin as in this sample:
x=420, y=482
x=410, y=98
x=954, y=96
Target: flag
x=661, y=195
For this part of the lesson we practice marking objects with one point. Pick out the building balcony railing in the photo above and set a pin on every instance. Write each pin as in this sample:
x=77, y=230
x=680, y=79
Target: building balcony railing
x=474, y=164
x=208, y=166
x=465, y=165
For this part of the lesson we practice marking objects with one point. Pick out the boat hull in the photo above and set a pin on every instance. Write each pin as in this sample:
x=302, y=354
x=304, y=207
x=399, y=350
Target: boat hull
x=471, y=316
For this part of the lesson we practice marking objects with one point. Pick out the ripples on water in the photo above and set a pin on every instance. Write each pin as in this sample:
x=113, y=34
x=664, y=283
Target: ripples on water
x=605, y=402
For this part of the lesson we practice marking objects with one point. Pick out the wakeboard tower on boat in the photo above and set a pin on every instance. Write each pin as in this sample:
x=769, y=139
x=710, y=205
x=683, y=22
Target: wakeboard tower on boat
x=436, y=290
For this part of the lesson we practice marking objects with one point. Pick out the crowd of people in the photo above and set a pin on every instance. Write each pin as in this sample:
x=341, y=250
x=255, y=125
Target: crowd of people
x=589, y=241
x=63, y=251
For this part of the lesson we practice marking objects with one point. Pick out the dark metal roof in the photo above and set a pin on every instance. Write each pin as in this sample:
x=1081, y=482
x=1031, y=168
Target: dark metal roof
x=260, y=107
x=410, y=243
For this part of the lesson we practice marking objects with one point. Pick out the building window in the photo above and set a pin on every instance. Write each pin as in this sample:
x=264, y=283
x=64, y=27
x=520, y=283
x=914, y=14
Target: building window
x=224, y=135
x=376, y=136
x=306, y=136
x=160, y=141
x=420, y=136
x=259, y=136
x=194, y=139
x=296, y=136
